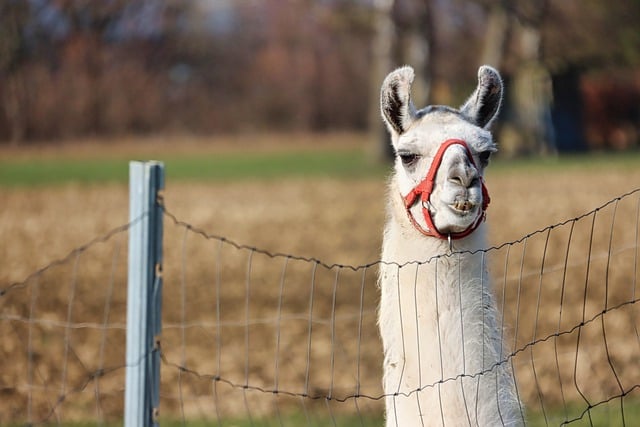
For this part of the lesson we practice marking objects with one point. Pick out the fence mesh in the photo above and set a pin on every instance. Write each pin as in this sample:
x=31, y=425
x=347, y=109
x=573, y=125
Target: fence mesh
x=63, y=331
x=259, y=338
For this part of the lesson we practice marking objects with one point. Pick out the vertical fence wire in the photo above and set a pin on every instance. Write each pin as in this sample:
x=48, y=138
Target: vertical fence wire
x=30, y=362
x=105, y=325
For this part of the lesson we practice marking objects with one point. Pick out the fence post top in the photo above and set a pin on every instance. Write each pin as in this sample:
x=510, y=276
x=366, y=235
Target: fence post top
x=147, y=162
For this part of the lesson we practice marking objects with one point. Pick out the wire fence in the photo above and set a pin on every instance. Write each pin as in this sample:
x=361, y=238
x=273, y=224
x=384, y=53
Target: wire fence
x=254, y=337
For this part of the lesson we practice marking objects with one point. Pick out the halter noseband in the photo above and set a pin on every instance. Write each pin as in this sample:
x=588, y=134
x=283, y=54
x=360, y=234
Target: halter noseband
x=423, y=191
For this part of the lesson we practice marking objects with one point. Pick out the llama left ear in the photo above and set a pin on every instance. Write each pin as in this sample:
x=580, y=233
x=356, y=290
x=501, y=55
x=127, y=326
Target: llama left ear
x=483, y=105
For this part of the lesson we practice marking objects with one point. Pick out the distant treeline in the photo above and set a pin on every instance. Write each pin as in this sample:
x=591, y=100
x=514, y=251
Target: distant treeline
x=75, y=68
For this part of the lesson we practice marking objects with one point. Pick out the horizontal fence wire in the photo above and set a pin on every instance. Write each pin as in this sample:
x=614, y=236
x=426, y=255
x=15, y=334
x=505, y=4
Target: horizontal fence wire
x=254, y=337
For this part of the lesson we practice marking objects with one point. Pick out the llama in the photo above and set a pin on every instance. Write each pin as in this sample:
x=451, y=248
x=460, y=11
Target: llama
x=443, y=355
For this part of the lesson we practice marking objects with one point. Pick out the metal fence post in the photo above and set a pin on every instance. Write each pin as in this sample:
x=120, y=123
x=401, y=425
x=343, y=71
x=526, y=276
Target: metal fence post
x=144, y=297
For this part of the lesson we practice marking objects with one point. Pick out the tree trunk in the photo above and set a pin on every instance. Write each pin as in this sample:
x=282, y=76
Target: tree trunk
x=414, y=28
x=16, y=108
x=403, y=35
x=532, y=96
x=496, y=36
x=526, y=121
x=383, y=40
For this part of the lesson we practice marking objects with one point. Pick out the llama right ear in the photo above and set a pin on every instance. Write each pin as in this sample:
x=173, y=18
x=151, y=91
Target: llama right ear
x=483, y=105
x=395, y=100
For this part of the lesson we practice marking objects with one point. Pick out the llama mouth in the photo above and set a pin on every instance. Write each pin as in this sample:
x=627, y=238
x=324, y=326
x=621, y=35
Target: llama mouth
x=462, y=207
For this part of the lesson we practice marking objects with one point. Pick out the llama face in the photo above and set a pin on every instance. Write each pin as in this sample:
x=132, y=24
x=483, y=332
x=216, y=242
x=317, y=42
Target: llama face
x=456, y=199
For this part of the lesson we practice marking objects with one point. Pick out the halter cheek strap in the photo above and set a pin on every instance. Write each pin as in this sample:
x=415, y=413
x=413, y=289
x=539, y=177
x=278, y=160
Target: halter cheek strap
x=423, y=190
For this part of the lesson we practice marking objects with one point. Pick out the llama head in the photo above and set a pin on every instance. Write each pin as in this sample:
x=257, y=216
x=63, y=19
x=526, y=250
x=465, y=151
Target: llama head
x=442, y=184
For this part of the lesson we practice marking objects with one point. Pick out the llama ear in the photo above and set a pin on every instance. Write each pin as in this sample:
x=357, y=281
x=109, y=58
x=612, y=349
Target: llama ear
x=484, y=103
x=395, y=100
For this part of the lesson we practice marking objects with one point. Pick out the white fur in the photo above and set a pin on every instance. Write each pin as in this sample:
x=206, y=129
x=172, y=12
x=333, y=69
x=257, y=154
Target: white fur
x=444, y=362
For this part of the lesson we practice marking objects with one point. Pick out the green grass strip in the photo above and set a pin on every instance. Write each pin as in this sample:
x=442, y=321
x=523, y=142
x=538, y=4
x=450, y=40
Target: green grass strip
x=236, y=166
x=593, y=161
x=225, y=167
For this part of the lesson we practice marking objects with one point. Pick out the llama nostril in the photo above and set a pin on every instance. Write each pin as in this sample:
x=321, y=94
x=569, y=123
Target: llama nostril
x=457, y=180
x=464, y=180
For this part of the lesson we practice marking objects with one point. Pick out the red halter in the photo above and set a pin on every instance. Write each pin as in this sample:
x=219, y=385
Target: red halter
x=423, y=191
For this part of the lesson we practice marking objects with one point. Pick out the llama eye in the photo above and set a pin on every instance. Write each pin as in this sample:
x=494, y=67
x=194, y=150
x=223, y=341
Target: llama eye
x=484, y=157
x=408, y=159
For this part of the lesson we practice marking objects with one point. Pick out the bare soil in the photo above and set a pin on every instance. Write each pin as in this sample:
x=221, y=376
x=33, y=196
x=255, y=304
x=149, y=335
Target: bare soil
x=241, y=323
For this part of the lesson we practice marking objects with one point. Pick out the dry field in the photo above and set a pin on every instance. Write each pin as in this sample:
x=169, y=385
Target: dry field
x=240, y=323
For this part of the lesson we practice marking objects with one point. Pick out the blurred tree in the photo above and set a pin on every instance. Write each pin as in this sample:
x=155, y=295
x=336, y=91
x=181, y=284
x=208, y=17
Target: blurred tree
x=403, y=34
x=513, y=44
x=592, y=33
x=382, y=47
x=14, y=15
x=415, y=36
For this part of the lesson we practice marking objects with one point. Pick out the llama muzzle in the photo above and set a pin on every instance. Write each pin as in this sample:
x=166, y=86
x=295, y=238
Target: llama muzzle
x=422, y=192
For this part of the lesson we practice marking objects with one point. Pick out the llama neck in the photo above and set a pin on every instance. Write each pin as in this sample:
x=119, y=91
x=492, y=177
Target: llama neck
x=427, y=282
x=438, y=323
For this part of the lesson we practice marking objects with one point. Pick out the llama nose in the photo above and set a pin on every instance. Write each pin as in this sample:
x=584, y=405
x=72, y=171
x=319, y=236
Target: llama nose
x=464, y=176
